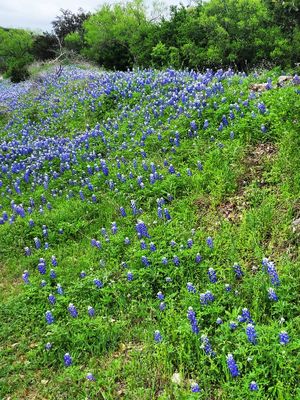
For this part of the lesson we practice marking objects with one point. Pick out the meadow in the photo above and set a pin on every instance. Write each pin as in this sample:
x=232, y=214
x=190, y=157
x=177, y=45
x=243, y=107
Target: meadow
x=149, y=236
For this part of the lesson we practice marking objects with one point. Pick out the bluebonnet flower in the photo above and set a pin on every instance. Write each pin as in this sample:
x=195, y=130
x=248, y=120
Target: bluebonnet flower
x=271, y=270
x=152, y=246
x=145, y=261
x=127, y=240
x=212, y=275
x=114, y=228
x=195, y=388
x=31, y=223
x=133, y=207
x=190, y=287
x=193, y=320
x=167, y=214
x=94, y=198
x=209, y=242
x=164, y=261
x=253, y=386
x=37, y=243
x=199, y=166
x=171, y=169
x=263, y=128
x=160, y=213
x=233, y=368
x=162, y=306
x=205, y=125
x=49, y=317
x=232, y=325
x=206, y=346
x=141, y=229
x=48, y=346
x=43, y=283
x=52, y=299
x=245, y=317
x=82, y=274
x=54, y=261
x=123, y=212
x=168, y=279
x=228, y=287
x=251, y=334
x=238, y=271
x=59, y=289
x=25, y=277
x=189, y=172
x=176, y=260
x=91, y=311
x=219, y=321
x=173, y=243
x=52, y=274
x=262, y=108
x=283, y=338
x=231, y=135
x=189, y=243
x=90, y=377
x=206, y=297
x=72, y=310
x=98, y=283
x=272, y=294
x=157, y=337
x=160, y=296
x=67, y=360
x=198, y=258
x=129, y=276
x=27, y=251
x=143, y=244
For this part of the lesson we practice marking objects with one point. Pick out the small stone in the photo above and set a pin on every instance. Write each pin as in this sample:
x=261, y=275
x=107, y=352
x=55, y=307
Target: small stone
x=176, y=378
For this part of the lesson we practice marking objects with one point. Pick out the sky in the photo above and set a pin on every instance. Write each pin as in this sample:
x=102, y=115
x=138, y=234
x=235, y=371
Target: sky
x=37, y=14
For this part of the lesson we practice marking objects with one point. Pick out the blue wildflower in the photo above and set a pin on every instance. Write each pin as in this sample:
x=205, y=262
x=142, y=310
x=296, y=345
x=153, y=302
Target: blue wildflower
x=141, y=229
x=25, y=277
x=193, y=320
x=52, y=299
x=157, y=337
x=129, y=276
x=253, y=386
x=212, y=275
x=238, y=271
x=160, y=296
x=67, y=360
x=209, y=242
x=195, y=388
x=283, y=338
x=91, y=311
x=98, y=283
x=90, y=377
x=251, y=334
x=233, y=368
x=72, y=310
x=49, y=317
x=272, y=294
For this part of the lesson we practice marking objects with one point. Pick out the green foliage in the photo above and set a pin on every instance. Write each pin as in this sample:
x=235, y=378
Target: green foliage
x=15, y=52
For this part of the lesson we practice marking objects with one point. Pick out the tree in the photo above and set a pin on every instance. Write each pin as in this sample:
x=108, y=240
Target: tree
x=15, y=52
x=44, y=46
x=69, y=22
x=111, y=34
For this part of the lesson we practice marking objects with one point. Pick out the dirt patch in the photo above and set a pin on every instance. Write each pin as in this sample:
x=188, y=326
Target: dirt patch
x=253, y=166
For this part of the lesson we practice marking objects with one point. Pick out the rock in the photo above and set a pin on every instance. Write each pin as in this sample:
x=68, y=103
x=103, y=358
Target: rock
x=284, y=79
x=296, y=225
x=258, y=87
x=176, y=378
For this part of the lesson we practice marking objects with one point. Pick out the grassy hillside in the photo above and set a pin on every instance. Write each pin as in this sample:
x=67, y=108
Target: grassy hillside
x=149, y=228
